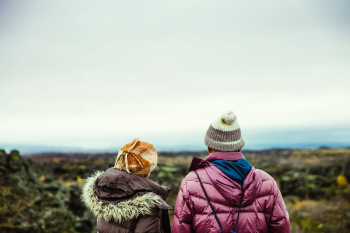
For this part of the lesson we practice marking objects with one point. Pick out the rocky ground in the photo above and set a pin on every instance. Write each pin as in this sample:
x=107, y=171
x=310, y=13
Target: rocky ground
x=33, y=203
x=41, y=193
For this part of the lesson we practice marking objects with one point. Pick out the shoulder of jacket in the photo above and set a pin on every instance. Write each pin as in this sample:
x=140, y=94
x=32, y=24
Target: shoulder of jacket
x=268, y=182
x=265, y=176
x=191, y=176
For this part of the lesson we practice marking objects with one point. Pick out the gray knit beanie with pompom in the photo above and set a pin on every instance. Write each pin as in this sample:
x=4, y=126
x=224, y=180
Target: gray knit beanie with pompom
x=224, y=134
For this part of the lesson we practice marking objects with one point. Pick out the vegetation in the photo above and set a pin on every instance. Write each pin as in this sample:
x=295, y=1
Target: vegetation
x=42, y=193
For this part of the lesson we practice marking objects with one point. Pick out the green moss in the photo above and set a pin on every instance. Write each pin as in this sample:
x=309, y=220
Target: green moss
x=15, y=157
x=5, y=192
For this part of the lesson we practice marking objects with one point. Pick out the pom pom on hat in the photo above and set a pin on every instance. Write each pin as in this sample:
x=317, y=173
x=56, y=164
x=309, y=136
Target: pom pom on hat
x=229, y=118
x=224, y=133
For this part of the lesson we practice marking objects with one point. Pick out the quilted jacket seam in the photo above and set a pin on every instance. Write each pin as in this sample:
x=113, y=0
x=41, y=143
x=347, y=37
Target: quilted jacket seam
x=284, y=214
x=213, y=202
x=281, y=220
x=181, y=219
x=203, y=198
x=273, y=206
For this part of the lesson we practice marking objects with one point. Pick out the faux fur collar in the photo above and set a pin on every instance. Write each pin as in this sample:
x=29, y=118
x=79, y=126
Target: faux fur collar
x=130, y=209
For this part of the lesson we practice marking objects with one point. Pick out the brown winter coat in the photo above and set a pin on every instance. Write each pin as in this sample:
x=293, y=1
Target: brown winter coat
x=126, y=203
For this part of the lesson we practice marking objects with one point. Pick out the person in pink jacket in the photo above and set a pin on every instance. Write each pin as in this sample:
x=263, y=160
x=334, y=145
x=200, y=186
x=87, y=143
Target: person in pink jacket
x=225, y=193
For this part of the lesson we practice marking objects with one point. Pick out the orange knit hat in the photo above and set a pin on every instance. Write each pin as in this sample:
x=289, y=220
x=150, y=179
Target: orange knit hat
x=137, y=157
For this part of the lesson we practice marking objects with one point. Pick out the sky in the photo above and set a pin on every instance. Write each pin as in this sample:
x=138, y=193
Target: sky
x=88, y=75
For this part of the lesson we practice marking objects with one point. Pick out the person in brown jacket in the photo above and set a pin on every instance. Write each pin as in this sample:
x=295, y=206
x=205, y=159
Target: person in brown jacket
x=123, y=198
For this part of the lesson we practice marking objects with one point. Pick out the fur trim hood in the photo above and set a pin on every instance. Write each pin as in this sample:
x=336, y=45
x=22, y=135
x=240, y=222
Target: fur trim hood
x=117, y=196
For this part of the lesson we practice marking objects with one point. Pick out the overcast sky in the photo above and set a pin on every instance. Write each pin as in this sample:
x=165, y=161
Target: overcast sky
x=96, y=74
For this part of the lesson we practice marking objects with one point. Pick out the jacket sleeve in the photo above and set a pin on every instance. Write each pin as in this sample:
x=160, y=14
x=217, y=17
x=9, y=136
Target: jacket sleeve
x=182, y=222
x=279, y=222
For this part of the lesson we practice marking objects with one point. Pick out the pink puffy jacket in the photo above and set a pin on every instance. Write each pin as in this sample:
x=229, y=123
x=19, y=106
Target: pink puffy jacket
x=263, y=209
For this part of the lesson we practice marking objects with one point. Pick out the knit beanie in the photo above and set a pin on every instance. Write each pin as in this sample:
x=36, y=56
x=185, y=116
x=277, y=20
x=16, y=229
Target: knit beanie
x=224, y=134
x=137, y=157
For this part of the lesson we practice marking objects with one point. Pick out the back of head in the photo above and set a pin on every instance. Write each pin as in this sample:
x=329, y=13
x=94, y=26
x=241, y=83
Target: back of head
x=137, y=157
x=224, y=134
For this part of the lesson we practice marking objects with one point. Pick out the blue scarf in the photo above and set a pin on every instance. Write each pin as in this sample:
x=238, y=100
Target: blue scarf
x=236, y=170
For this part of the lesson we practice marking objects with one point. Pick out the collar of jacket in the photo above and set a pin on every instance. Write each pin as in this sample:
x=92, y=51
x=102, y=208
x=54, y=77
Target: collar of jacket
x=200, y=163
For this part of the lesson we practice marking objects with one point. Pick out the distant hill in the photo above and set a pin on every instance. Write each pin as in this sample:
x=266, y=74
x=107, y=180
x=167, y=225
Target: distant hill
x=165, y=150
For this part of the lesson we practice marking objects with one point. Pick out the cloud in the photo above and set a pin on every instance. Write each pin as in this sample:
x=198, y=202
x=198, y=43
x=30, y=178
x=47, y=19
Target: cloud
x=89, y=74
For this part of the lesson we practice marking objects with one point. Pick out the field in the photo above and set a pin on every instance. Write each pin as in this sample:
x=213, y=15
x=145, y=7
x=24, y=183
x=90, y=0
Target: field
x=41, y=193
